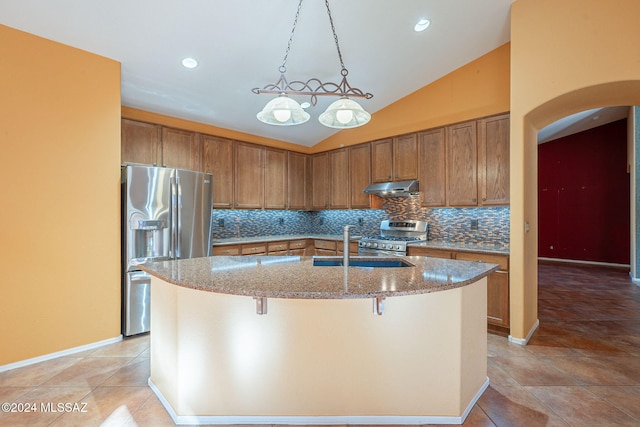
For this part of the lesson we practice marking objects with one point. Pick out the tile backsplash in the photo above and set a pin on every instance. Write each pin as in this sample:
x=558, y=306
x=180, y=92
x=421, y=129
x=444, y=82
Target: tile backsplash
x=488, y=225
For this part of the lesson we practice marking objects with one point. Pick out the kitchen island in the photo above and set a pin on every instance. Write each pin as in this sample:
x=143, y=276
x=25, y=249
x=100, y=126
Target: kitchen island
x=277, y=340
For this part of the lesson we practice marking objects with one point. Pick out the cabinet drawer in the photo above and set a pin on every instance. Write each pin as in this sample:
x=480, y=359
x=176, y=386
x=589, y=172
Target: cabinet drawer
x=278, y=246
x=299, y=252
x=325, y=244
x=297, y=244
x=226, y=250
x=325, y=252
x=254, y=249
x=435, y=253
x=501, y=260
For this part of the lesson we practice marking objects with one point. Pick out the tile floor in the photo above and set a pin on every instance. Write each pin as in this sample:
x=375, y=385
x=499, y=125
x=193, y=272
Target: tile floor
x=581, y=368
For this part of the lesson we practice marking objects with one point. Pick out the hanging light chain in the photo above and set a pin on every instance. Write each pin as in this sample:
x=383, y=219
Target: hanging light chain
x=283, y=67
x=335, y=37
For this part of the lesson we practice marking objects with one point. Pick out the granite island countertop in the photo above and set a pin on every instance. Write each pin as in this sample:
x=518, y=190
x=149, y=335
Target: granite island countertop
x=297, y=277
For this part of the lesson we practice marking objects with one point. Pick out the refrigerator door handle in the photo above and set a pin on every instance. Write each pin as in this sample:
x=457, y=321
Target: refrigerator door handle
x=179, y=218
x=174, y=218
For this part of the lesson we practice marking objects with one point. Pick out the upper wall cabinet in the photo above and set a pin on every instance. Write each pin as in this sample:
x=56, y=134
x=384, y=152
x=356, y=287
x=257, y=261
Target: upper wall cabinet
x=359, y=176
x=180, y=149
x=275, y=178
x=320, y=181
x=394, y=159
x=462, y=165
x=249, y=176
x=299, y=188
x=339, y=179
x=217, y=159
x=432, y=170
x=493, y=160
x=140, y=142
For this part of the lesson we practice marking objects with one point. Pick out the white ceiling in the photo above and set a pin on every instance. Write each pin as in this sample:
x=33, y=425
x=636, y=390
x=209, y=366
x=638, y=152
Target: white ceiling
x=240, y=45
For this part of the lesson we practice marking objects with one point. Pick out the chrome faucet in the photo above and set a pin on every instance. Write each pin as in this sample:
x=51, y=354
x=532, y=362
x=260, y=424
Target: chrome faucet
x=345, y=245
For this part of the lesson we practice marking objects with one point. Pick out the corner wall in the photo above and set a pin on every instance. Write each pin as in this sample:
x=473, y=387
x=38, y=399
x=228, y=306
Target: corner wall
x=59, y=222
x=566, y=57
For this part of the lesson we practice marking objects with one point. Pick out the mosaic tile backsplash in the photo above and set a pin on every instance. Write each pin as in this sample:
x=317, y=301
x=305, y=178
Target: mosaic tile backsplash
x=459, y=225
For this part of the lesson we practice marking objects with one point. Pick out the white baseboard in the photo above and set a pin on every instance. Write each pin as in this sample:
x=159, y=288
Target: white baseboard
x=67, y=352
x=524, y=341
x=577, y=261
x=317, y=420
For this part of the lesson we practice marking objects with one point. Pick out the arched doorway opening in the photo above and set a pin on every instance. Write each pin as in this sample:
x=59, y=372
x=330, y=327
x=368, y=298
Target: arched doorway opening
x=524, y=252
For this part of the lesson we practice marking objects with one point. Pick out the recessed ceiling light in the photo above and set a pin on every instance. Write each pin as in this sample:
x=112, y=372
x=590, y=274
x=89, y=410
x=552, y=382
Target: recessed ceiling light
x=189, y=63
x=422, y=25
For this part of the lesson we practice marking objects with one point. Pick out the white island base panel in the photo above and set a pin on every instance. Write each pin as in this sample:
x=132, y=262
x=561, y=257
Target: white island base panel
x=318, y=361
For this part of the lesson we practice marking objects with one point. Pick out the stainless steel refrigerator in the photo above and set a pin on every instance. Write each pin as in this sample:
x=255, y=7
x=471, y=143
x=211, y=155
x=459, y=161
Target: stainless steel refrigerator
x=166, y=214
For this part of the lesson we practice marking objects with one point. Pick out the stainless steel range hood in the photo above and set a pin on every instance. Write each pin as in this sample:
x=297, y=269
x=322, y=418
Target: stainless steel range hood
x=393, y=189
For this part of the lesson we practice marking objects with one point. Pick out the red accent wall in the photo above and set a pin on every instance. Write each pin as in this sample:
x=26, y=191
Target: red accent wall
x=583, y=196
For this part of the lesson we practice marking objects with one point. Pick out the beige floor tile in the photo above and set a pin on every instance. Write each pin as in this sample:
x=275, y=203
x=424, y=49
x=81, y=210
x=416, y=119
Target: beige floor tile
x=533, y=371
x=135, y=373
x=129, y=347
x=46, y=404
x=108, y=406
x=510, y=406
x=580, y=407
x=37, y=373
x=151, y=414
x=627, y=399
x=91, y=371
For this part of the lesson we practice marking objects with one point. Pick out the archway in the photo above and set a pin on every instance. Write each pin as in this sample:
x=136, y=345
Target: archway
x=524, y=221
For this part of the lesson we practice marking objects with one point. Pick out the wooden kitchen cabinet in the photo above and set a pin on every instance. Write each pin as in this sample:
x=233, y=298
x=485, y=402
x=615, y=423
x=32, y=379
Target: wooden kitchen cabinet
x=359, y=176
x=353, y=248
x=249, y=176
x=405, y=157
x=275, y=179
x=394, y=159
x=493, y=160
x=297, y=247
x=298, y=182
x=462, y=165
x=226, y=250
x=180, y=149
x=278, y=248
x=497, y=282
x=497, y=289
x=140, y=142
x=254, y=249
x=435, y=253
x=320, y=181
x=432, y=167
x=325, y=247
x=339, y=179
x=217, y=159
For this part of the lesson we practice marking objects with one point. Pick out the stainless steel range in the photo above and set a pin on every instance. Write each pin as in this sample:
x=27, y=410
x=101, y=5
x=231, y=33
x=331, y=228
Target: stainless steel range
x=393, y=238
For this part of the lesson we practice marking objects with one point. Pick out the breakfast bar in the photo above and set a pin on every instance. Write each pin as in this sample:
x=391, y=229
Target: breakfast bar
x=305, y=340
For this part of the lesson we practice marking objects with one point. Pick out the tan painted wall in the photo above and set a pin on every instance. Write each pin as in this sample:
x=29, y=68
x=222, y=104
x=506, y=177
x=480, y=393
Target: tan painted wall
x=59, y=221
x=566, y=57
x=480, y=88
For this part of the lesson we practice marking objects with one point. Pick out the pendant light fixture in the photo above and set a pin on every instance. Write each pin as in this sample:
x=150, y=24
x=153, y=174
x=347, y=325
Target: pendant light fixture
x=344, y=113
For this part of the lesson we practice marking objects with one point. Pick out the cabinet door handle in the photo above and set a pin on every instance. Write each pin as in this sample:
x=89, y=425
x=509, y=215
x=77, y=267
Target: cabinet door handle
x=474, y=200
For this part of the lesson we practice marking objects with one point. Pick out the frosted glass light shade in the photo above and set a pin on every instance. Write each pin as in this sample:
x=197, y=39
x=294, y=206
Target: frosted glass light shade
x=283, y=111
x=344, y=113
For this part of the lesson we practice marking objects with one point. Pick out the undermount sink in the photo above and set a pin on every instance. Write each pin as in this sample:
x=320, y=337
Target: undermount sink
x=355, y=262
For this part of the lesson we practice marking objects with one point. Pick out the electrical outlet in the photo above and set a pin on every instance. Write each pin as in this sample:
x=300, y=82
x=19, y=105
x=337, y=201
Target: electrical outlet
x=221, y=223
x=474, y=224
x=360, y=222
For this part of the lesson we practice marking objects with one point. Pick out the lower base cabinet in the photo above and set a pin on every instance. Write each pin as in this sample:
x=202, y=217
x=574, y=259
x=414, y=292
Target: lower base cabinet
x=497, y=283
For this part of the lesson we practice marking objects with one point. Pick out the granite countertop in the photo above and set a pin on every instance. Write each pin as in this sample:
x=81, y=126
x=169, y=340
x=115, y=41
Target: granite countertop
x=464, y=247
x=277, y=238
x=454, y=246
x=296, y=277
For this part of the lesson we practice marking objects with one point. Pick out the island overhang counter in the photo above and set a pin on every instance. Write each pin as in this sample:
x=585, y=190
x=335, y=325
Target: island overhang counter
x=277, y=340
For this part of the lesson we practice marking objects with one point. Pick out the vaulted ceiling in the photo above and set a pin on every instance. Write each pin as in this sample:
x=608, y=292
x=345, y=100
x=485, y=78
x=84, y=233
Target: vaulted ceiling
x=240, y=45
